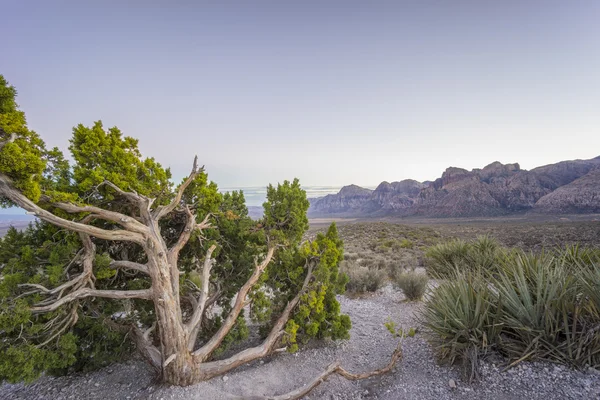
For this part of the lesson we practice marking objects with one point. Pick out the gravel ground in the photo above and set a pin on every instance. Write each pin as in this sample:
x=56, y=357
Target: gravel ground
x=417, y=376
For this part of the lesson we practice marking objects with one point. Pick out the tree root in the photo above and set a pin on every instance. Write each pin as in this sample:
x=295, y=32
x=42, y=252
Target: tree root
x=334, y=368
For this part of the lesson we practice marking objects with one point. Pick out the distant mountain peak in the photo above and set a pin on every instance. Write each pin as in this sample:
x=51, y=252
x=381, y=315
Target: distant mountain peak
x=495, y=189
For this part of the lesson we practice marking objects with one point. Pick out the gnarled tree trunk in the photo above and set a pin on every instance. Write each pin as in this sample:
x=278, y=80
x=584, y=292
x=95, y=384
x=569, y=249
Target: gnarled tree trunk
x=175, y=357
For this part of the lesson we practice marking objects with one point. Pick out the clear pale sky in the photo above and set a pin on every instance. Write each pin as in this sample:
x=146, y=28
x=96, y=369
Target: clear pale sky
x=331, y=92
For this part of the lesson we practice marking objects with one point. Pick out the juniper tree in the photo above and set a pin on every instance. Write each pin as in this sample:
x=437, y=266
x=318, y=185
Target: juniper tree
x=119, y=250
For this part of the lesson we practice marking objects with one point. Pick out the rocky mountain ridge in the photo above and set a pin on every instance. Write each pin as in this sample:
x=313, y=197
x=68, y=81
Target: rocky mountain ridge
x=497, y=189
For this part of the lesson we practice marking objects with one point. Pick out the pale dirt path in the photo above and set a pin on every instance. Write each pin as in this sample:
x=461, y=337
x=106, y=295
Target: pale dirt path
x=417, y=376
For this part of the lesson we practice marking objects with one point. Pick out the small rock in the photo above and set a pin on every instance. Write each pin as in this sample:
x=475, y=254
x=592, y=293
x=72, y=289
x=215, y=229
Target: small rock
x=225, y=378
x=96, y=384
x=452, y=384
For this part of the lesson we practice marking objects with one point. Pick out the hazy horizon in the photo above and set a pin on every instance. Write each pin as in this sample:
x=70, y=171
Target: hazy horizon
x=333, y=93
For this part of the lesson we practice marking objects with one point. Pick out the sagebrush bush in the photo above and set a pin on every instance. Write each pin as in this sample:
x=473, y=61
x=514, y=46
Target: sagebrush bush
x=413, y=284
x=531, y=306
x=362, y=279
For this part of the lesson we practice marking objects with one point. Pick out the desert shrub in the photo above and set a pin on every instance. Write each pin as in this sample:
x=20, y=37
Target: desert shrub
x=362, y=279
x=406, y=244
x=530, y=307
x=575, y=256
x=413, y=284
x=444, y=258
x=461, y=317
x=538, y=306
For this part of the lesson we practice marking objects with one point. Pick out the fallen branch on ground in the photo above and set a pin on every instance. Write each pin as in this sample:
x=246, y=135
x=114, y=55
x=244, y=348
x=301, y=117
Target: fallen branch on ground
x=334, y=368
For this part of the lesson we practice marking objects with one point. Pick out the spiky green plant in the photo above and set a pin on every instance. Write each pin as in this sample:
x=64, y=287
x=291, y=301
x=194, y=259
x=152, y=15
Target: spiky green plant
x=575, y=256
x=483, y=253
x=462, y=319
x=530, y=306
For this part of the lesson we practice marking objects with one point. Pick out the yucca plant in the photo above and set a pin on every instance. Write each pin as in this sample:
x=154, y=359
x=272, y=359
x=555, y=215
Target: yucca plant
x=462, y=319
x=538, y=307
x=443, y=258
x=589, y=279
x=483, y=253
x=575, y=257
x=529, y=306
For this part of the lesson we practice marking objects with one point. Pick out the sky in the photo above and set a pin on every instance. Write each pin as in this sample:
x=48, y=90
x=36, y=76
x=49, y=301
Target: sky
x=331, y=92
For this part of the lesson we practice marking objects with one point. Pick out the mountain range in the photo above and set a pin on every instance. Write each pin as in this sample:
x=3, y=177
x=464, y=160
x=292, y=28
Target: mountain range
x=567, y=187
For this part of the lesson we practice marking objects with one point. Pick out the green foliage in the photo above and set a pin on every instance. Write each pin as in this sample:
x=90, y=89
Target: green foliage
x=97, y=346
x=318, y=313
x=532, y=306
x=25, y=362
x=101, y=155
x=23, y=354
x=575, y=257
x=21, y=160
x=444, y=258
x=31, y=344
x=285, y=212
x=413, y=284
x=462, y=319
x=398, y=331
x=237, y=334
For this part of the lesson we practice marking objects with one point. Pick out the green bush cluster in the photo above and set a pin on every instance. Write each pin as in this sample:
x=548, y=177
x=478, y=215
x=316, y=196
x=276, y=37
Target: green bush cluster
x=528, y=307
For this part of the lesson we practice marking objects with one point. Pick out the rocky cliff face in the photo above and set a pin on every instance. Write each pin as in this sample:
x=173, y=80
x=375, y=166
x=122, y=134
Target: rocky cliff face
x=395, y=198
x=496, y=189
x=580, y=196
x=349, y=199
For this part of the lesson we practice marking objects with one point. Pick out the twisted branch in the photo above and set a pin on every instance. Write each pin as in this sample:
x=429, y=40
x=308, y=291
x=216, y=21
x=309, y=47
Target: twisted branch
x=193, y=326
x=8, y=191
x=202, y=353
x=334, y=368
x=161, y=211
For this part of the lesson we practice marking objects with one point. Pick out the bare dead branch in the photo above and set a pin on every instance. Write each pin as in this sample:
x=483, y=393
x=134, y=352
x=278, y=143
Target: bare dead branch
x=125, y=221
x=148, y=331
x=8, y=191
x=81, y=280
x=145, y=294
x=184, y=237
x=143, y=202
x=161, y=211
x=130, y=265
x=334, y=368
x=66, y=324
x=193, y=326
x=204, y=224
x=132, y=196
x=12, y=138
x=267, y=346
x=214, y=342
